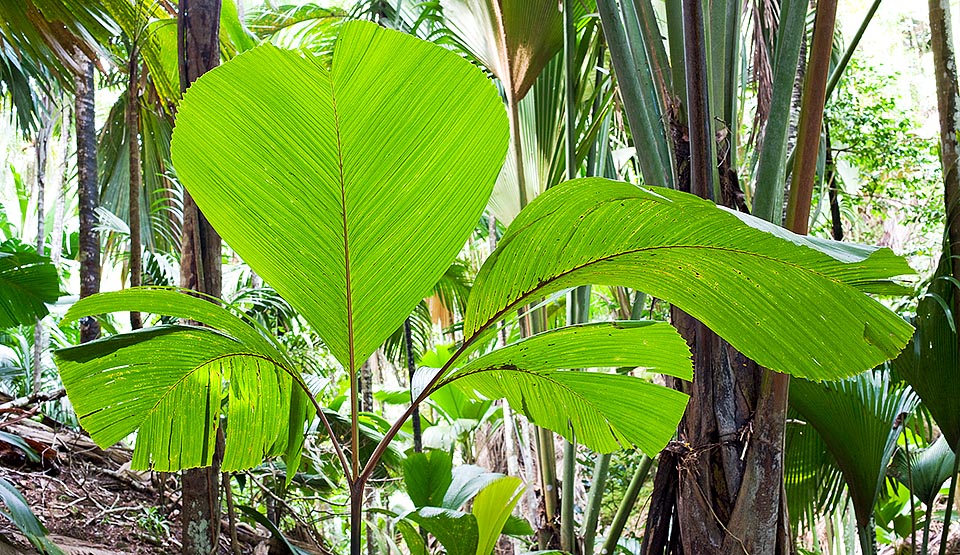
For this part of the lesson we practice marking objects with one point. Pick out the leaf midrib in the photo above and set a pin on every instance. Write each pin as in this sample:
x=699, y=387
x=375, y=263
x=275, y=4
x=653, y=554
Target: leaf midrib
x=542, y=284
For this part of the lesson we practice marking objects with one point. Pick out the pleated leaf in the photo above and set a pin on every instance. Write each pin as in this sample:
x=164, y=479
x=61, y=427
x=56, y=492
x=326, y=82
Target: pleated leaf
x=427, y=476
x=654, y=346
x=169, y=301
x=455, y=530
x=514, y=38
x=247, y=381
x=790, y=303
x=931, y=362
x=859, y=420
x=813, y=481
x=350, y=191
x=28, y=282
x=925, y=471
x=492, y=507
x=166, y=383
x=605, y=412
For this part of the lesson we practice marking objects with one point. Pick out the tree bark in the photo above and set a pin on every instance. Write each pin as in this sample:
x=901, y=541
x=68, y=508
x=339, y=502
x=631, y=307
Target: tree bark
x=88, y=195
x=42, y=148
x=136, y=176
x=720, y=486
x=948, y=102
x=198, y=29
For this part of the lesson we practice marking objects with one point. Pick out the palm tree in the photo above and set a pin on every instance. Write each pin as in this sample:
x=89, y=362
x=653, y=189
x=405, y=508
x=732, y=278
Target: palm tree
x=198, y=40
x=948, y=101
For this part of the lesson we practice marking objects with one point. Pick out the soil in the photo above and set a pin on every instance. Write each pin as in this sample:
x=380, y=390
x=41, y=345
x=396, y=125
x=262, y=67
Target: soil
x=92, y=503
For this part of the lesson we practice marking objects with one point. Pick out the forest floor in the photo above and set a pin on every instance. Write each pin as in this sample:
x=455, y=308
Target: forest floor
x=92, y=503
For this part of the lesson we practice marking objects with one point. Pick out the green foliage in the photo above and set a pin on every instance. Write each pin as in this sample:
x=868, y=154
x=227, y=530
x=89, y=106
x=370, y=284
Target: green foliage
x=731, y=271
x=28, y=282
x=925, y=470
x=930, y=363
x=165, y=382
x=439, y=491
x=571, y=403
x=859, y=420
x=374, y=190
x=885, y=167
x=19, y=513
x=427, y=477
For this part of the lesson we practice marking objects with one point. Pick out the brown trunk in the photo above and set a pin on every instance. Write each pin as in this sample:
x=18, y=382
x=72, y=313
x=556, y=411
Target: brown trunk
x=719, y=488
x=730, y=493
x=88, y=195
x=136, y=176
x=948, y=102
x=198, y=27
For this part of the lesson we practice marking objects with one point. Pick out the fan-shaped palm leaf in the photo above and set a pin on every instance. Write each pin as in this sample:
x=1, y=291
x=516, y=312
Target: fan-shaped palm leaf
x=28, y=282
x=930, y=363
x=924, y=471
x=859, y=420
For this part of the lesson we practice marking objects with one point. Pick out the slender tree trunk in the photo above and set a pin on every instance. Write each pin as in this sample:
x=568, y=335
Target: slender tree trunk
x=42, y=149
x=59, y=204
x=136, y=175
x=948, y=102
x=411, y=370
x=198, y=29
x=88, y=195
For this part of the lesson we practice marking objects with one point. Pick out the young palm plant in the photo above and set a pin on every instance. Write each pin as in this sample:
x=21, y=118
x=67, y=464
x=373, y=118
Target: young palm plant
x=352, y=217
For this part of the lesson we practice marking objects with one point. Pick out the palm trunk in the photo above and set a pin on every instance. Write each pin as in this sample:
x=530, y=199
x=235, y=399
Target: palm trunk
x=198, y=27
x=59, y=204
x=948, y=102
x=88, y=195
x=136, y=175
x=720, y=490
x=42, y=148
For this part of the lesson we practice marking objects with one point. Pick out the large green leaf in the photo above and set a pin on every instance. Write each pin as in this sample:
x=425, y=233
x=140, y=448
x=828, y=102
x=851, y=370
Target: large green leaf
x=455, y=530
x=931, y=361
x=27, y=282
x=167, y=383
x=859, y=420
x=492, y=507
x=341, y=183
x=925, y=470
x=259, y=352
x=654, y=346
x=427, y=477
x=605, y=412
x=790, y=303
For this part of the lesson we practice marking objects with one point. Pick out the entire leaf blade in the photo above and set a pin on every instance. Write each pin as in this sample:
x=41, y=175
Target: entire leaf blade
x=765, y=292
x=166, y=383
x=28, y=282
x=362, y=198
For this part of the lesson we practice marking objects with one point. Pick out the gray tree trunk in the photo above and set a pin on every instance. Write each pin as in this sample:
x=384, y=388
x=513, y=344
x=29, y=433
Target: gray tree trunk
x=198, y=30
x=88, y=194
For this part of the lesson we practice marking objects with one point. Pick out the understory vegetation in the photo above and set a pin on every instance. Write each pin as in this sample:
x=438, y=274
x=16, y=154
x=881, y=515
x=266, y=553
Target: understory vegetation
x=477, y=276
